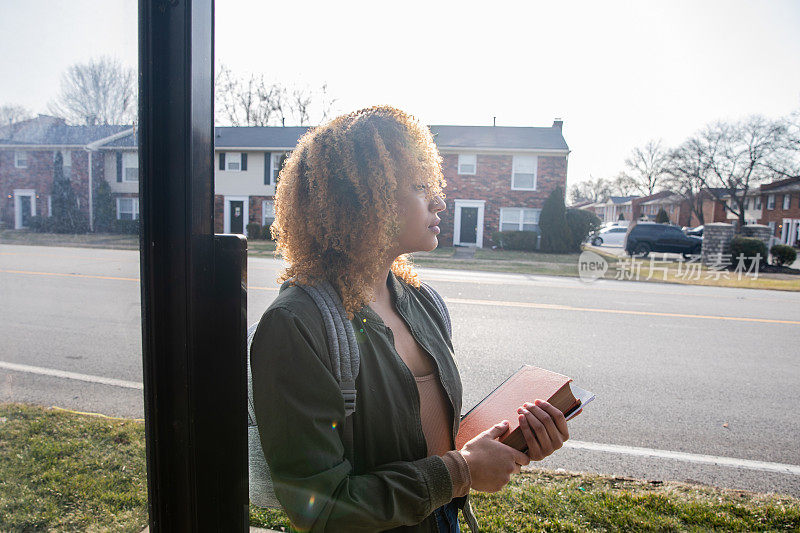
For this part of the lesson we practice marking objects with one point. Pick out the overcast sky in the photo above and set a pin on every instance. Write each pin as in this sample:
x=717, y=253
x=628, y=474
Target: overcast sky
x=618, y=73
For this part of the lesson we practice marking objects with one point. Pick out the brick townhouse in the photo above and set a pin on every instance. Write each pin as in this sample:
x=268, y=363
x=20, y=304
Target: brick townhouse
x=775, y=204
x=781, y=209
x=497, y=177
x=27, y=153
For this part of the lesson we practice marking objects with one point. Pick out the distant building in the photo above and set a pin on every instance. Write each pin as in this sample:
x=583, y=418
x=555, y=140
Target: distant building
x=498, y=177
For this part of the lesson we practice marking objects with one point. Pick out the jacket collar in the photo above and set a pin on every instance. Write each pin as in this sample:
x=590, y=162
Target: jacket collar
x=398, y=294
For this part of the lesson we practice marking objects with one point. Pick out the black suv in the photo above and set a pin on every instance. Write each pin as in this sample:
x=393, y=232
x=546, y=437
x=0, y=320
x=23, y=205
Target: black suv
x=646, y=237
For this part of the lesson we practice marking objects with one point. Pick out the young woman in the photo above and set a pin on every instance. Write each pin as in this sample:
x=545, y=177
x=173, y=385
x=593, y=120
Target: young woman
x=356, y=196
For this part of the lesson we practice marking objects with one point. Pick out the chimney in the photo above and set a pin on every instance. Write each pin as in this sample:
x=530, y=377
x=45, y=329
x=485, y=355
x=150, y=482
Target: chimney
x=558, y=123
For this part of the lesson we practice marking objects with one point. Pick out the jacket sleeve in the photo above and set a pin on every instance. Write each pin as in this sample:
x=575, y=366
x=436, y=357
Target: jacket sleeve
x=298, y=408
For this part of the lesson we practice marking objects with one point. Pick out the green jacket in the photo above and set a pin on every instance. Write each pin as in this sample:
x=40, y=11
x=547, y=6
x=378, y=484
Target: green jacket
x=299, y=408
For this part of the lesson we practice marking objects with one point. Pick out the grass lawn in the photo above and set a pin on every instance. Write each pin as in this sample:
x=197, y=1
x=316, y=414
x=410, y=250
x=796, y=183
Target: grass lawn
x=79, y=240
x=63, y=471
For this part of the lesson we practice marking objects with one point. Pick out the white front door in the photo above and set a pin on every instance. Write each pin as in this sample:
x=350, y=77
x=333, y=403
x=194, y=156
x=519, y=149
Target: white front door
x=790, y=231
x=468, y=223
x=24, y=207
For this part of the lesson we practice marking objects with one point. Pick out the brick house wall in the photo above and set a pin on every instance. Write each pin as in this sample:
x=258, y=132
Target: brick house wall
x=779, y=213
x=39, y=177
x=713, y=211
x=492, y=183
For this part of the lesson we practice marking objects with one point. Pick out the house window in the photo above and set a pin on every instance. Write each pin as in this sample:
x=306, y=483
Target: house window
x=758, y=202
x=130, y=166
x=747, y=203
x=233, y=161
x=771, y=201
x=519, y=219
x=267, y=213
x=771, y=227
x=128, y=208
x=66, y=162
x=787, y=200
x=523, y=172
x=467, y=163
x=20, y=159
x=276, y=166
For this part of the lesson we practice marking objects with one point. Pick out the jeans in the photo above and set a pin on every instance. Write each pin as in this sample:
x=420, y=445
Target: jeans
x=447, y=518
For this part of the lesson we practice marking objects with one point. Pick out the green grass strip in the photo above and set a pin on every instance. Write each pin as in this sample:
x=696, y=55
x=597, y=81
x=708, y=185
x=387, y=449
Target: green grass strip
x=61, y=471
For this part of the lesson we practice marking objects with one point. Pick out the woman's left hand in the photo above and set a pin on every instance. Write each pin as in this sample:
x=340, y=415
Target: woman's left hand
x=543, y=427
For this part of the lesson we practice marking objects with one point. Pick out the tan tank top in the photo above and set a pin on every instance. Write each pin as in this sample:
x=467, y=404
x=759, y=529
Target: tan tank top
x=436, y=426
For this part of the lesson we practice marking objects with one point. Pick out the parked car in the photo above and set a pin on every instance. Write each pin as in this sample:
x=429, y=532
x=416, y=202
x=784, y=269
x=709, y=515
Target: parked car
x=646, y=237
x=696, y=231
x=610, y=236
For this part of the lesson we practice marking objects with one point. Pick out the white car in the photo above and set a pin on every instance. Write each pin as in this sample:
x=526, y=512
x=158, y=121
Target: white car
x=610, y=236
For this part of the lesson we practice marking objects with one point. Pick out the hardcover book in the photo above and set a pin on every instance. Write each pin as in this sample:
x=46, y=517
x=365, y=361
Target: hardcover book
x=525, y=385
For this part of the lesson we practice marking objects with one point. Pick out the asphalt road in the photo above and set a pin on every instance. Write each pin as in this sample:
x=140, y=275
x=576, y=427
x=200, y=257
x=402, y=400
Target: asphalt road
x=700, y=371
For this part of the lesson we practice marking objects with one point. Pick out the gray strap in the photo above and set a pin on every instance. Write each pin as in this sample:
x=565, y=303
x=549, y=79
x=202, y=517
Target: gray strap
x=343, y=350
x=330, y=328
x=440, y=305
x=341, y=340
x=251, y=411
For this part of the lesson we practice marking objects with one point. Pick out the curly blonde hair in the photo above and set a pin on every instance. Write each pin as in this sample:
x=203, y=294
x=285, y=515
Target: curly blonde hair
x=336, y=201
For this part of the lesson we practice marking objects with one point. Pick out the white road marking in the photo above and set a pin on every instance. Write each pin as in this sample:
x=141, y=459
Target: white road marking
x=733, y=462
x=72, y=375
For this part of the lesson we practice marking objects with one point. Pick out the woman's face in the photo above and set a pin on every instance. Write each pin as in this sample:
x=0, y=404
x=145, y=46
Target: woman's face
x=418, y=220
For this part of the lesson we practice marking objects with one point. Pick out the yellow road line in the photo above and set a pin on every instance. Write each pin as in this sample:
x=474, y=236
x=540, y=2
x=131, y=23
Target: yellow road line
x=100, y=415
x=501, y=303
x=615, y=311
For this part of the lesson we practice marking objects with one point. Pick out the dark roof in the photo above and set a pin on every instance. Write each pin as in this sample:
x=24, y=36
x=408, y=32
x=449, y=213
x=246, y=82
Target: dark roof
x=498, y=137
x=621, y=199
x=780, y=183
x=262, y=137
x=52, y=130
x=48, y=130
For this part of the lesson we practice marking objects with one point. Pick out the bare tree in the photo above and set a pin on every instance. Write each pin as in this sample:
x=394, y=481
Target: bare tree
x=686, y=167
x=11, y=113
x=244, y=102
x=646, y=166
x=591, y=190
x=254, y=102
x=102, y=91
x=622, y=184
x=301, y=105
x=785, y=161
x=736, y=155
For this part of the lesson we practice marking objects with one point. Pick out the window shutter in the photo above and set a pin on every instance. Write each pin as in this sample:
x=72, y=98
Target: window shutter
x=267, y=168
x=119, y=166
x=244, y=161
x=222, y=160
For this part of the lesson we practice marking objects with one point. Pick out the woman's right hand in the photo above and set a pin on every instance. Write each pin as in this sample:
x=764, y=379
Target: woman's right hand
x=491, y=463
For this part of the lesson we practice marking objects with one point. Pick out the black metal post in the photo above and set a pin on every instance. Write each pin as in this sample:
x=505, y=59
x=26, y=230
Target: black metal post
x=193, y=325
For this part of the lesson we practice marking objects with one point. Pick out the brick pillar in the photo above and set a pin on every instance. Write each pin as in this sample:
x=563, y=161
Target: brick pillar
x=759, y=231
x=717, y=238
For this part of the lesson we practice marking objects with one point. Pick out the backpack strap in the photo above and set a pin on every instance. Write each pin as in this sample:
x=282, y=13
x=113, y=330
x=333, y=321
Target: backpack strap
x=343, y=351
x=440, y=305
x=251, y=411
x=341, y=340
